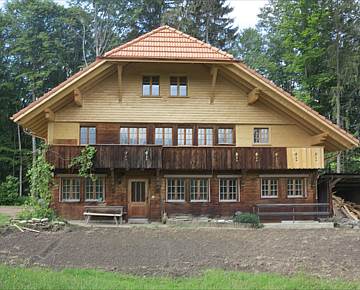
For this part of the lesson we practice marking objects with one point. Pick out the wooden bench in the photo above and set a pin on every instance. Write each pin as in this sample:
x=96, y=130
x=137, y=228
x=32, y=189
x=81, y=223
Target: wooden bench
x=117, y=212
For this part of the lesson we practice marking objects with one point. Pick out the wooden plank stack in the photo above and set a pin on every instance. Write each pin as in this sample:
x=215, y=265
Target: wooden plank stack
x=349, y=209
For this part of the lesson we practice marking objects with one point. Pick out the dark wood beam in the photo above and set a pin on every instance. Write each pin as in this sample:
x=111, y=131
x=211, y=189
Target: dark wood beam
x=77, y=97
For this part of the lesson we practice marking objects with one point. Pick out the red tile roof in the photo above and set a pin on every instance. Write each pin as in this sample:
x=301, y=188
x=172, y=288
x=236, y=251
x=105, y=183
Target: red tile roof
x=168, y=43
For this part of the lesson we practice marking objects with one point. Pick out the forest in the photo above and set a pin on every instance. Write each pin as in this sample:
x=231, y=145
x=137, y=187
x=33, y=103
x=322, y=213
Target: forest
x=310, y=48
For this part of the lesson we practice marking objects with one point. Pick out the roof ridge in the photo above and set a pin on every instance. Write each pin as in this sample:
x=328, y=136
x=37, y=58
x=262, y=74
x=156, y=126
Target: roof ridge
x=167, y=27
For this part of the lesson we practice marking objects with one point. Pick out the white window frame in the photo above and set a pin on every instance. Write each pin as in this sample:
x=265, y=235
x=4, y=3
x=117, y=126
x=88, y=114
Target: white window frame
x=226, y=135
x=237, y=189
x=208, y=189
x=163, y=136
x=269, y=180
x=61, y=189
x=103, y=188
x=87, y=142
x=261, y=141
x=303, y=184
x=175, y=200
x=205, y=136
x=137, y=135
x=185, y=136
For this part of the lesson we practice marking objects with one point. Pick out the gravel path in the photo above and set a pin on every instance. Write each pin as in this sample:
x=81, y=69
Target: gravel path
x=183, y=252
x=11, y=211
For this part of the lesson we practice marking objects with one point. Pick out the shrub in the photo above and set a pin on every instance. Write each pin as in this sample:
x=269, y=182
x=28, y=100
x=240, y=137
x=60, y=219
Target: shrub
x=9, y=192
x=248, y=218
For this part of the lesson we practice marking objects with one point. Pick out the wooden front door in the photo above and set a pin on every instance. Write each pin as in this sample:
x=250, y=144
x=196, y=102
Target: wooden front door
x=138, y=198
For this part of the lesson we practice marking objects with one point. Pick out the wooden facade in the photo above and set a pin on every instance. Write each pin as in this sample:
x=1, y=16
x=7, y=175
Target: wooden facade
x=262, y=146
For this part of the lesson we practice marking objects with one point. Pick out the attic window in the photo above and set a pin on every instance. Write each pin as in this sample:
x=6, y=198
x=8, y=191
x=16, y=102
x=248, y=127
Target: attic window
x=151, y=86
x=178, y=86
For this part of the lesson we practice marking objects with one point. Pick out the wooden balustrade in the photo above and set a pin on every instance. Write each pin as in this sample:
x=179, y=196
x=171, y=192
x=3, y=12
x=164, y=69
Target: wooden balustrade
x=177, y=158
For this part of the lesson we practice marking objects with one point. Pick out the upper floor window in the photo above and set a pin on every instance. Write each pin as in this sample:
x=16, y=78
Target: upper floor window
x=225, y=136
x=228, y=189
x=94, y=189
x=185, y=136
x=70, y=189
x=269, y=188
x=296, y=187
x=87, y=135
x=151, y=86
x=199, y=189
x=133, y=136
x=205, y=136
x=178, y=86
x=261, y=135
x=163, y=136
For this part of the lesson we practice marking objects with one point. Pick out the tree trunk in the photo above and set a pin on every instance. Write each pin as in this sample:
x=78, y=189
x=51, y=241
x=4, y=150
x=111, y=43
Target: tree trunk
x=21, y=162
x=338, y=85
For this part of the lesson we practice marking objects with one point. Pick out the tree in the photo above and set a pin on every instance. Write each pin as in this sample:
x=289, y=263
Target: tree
x=38, y=50
x=207, y=20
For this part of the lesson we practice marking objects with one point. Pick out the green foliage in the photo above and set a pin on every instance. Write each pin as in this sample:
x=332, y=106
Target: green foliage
x=40, y=278
x=248, y=218
x=4, y=219
x=41, y=181
x=9, y=191
x=84, y=162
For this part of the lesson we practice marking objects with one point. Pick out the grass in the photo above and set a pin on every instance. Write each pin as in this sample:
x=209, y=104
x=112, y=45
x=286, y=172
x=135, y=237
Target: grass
x=38, y=278
x=4, y=219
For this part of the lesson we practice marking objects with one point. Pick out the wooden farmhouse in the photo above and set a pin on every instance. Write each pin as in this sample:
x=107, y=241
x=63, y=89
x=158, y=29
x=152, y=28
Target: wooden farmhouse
x=181, y=127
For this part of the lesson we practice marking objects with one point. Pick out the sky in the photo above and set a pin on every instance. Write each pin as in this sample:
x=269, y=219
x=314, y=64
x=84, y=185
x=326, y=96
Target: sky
x=245, y=11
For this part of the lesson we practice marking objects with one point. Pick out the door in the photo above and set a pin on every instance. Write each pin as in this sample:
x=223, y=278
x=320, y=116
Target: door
x=138, y=194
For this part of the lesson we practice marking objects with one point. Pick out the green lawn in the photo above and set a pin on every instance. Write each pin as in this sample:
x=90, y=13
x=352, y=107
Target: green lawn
x=35, y=278
x=3, y=219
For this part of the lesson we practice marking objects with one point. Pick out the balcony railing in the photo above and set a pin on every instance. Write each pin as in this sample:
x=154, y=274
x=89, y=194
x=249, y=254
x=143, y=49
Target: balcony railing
x=175, y=158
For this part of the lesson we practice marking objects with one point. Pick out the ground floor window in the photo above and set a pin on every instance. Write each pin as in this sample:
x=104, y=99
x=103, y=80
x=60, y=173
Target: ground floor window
x=228, y=189
x=199, y=189
x=269, y=188
x=296, y=187
x=70, y=189
x=175, y=189
x=94, y=189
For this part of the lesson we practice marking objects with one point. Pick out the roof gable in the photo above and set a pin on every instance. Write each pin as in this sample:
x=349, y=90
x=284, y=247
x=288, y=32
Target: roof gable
x=168, y=43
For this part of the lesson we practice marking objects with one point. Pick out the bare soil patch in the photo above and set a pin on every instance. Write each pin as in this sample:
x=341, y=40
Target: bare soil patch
x=183, y=252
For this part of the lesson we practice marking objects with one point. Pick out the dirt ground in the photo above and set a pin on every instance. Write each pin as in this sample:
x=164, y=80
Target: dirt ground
x=183, y=251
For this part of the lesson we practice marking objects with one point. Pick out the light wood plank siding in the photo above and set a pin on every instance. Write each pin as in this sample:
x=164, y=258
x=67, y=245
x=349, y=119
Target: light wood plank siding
x=101, y=103
x=303, y=158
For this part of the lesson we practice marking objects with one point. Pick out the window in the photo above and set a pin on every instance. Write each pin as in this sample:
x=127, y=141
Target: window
x=94, y=189
x=163, y=136
x=185, y=136
x=205, y=136
x=269, y=188
x=225, y=136
x=261, y=135
x=175, y=189
x=178, y=86
x=151, y=86
x=138, y=191
x=296, y=187
x=199, y=189
x=133, y=136
x=70, y=189
x=87, y=135
x=228, y=189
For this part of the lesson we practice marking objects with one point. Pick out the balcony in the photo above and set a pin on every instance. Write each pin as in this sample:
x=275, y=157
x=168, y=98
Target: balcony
x=190, y=158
